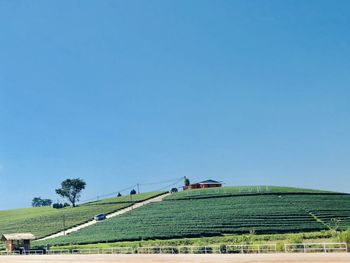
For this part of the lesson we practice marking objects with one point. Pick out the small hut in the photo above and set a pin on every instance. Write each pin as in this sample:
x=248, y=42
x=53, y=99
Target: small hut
x=19, y=241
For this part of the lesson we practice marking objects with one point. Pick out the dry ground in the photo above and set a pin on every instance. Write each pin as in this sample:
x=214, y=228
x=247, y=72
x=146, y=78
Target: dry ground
x=250, y=258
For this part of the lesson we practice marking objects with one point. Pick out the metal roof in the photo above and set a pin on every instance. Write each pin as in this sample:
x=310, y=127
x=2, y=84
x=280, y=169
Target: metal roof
x=210, y=182
x=18, y=236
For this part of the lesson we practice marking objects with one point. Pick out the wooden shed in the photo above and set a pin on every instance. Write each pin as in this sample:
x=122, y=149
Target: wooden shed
x=18, y=241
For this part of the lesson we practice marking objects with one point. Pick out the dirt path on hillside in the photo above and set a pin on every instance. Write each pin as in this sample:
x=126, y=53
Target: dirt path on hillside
x=247, y=258
x=119, y=212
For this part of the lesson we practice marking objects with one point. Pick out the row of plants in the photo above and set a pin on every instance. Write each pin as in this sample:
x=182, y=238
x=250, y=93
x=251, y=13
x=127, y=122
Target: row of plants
x=43, y=221
x=199, y=217
x=241, y=190
x=333, y=210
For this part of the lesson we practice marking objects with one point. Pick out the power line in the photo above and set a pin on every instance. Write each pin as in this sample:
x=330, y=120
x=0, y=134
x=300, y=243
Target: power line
x=176, y=181
x=162, y=182
x=168, y=186
x=106, y=195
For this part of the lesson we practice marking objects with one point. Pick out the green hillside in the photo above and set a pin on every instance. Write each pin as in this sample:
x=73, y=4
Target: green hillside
x=241, y=190
x=43, y=221
x=333, y=211
x=214, y=215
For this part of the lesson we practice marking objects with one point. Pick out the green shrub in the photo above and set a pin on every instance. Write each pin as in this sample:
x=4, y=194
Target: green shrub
x=280, y=247
x=223, y=249
x=295, y=239
x=345, y=237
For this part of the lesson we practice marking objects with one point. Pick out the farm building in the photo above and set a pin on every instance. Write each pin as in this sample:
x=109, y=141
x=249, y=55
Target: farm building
x=19, y=241
x=205, y=184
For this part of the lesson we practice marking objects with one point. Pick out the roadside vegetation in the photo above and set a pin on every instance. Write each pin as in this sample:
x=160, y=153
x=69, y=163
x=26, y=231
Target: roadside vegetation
x=279, y=239
x=344, y=237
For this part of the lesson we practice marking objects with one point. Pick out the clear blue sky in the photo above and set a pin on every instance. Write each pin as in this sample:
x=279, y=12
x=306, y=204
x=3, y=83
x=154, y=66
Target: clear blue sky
x=120, y=92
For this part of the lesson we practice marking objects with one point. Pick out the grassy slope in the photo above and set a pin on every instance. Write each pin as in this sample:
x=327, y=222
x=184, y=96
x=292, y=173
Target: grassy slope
x=43, y=221
x=214, y=216
x=240, y=190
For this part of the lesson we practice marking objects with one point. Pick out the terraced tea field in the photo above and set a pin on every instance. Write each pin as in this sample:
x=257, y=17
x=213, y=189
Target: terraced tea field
x=333, y=210
x=266, y=213
x=241, y=190
x=43, y=221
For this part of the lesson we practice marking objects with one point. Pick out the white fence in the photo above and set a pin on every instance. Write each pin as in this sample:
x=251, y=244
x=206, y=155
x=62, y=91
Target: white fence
x=219, y=249
x=24, y=252
x=251, y=249
x=157, y=250
x=58, y=252
x=115, y=250
x=5, y=253
x=207, y=249
x=33, y=252
x=316, y=247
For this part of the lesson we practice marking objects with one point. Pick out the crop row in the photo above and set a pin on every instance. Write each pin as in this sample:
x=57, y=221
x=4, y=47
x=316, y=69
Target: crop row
x=44, y=221
x=241, y=190
x=200, y=217
x=334, y=210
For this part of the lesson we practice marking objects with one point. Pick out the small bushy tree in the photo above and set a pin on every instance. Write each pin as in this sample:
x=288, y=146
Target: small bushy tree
x=60, y=205
x=133, y=192
x=38, y=202
x=174, y=190
x=186, y=181
x=71, y=189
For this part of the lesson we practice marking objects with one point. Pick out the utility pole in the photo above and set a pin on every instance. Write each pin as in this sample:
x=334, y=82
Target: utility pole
x=138, y=188
x=132, y=204
x=64, y=225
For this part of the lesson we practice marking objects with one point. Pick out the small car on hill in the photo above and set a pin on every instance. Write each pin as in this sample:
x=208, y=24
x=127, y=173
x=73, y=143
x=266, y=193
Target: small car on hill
x=100, y=217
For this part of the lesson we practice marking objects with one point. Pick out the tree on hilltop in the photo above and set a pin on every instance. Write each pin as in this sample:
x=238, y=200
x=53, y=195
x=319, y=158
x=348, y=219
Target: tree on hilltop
x=71, y=189
x=38, y=202
x=186, y=181
x=174, y=190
